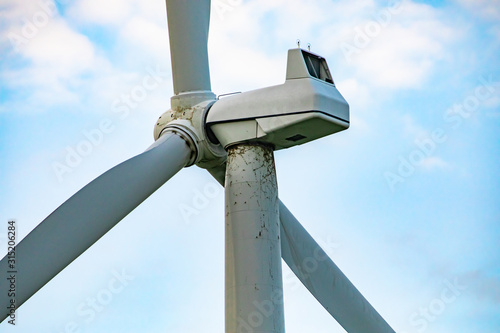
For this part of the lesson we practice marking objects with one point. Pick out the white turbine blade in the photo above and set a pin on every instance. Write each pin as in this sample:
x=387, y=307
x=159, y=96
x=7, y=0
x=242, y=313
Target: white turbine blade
x=85, y=217
x=326, y=281
x=188, y=22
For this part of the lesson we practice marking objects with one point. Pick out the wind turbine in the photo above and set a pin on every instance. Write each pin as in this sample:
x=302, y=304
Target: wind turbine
x=234, y=138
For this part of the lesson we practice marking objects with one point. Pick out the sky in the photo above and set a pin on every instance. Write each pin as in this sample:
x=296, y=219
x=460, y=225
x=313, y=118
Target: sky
x=405, y=202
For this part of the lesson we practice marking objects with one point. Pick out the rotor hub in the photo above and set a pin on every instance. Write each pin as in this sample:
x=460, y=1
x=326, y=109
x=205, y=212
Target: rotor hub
x=187, y=119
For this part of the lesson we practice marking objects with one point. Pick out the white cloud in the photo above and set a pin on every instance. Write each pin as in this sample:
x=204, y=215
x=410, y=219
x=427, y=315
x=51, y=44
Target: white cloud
x=146, y=36
x=355, y=92
x=112, y=12
x=258, y=69
x=66, y=51
x=434, y=162
x=489, y=9
x=43, y=38
x=16, y=12
x=235, y=52
x=115, y=13
x=395, y=48
x=59, y=60
x=65, y=67
x=411, y=129
x=403, y=54
x=405, y=64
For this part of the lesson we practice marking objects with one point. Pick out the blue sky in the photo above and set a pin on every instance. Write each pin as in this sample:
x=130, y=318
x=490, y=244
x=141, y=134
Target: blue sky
x=406, y=201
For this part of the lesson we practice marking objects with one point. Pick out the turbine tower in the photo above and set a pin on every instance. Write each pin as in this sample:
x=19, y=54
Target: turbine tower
x=234, y=138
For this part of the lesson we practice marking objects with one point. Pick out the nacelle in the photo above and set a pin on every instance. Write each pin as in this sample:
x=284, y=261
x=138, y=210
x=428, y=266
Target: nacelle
x=306, y=107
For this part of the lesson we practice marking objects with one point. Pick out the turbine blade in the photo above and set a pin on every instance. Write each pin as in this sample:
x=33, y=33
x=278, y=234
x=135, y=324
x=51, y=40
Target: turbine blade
x=85, y=217
x=326, y=282
x=188, y=22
